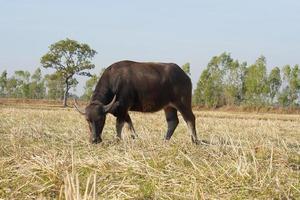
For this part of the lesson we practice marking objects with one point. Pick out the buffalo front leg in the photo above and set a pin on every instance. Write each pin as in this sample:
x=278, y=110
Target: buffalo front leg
x=119, y=126
x=172, y=120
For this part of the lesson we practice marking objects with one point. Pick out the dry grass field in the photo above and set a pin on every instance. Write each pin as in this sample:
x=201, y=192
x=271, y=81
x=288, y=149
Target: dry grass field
x=45, y=154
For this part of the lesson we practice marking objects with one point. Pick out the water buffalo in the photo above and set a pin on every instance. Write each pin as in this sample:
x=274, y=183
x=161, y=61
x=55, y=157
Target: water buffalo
x=140, y=86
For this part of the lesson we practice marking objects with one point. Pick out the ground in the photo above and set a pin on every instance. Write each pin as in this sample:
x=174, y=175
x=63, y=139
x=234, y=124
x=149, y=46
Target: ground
x=45, y=153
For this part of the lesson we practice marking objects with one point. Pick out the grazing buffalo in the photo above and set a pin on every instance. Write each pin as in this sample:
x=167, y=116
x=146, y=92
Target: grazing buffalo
x=145, y=87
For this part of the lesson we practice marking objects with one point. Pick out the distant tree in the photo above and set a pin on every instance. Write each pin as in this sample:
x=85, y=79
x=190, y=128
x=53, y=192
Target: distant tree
x=37, y=75
x=256, y=82
x=90, y=85
x=283, y=97
x=295, y=84
x=3, y=84
x=37, y=87
x=186, y=68
x=208, y=91
x=221, y=82
x=23, y=82
x=54, y=86
x=17, y=86
x=274, y=83
x=22, y=85
x=68, y=57
x=233, y=81
x=198, y=96
x=12, y=88
x=291, y=76
x=209, y=86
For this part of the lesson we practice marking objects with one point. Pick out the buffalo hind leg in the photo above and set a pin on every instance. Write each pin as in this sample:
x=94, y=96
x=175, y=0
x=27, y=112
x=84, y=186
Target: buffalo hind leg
x=131, y=128
x=172, y=120
x=189, y=118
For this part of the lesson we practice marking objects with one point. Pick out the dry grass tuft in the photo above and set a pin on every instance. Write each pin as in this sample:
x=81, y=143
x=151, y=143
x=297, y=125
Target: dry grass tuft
x=45, y=154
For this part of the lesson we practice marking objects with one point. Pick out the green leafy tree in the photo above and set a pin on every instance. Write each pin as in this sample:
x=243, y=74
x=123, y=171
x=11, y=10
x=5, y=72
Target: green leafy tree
x=206, y=93
x=186, y=68
x=291, y=76
x=256, y=82
x=233, y=81
x=90, y=85
x=12, y=88
x=283, y=97
x=23, y=82
x=295, y=84
x=198, y=96
x=37, y=86
x=221, y=82
x=274, y=83
x=209, y=86
x=69, y=58
x=3, y=84
x=54, y=86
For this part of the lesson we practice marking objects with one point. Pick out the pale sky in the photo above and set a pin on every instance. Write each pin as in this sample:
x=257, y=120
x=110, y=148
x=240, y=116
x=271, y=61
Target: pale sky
x=166, y=30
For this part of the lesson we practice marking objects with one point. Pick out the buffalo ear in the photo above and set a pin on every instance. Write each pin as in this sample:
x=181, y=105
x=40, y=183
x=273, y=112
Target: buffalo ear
x=111, y=105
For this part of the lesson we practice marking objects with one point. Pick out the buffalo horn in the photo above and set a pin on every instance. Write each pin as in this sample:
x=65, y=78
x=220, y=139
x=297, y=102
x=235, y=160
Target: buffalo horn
x=77, y=107
x=107, y=107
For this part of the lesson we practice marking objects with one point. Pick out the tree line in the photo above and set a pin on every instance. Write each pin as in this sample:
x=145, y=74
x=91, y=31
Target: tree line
x=23, y=84
x=224, y=81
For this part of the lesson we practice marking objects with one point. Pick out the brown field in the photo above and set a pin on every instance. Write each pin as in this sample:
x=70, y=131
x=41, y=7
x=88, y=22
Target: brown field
x=45, y=154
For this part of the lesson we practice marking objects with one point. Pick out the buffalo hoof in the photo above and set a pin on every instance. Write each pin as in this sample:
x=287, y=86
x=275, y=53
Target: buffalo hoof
x=199, y=142
x=202, y=142
x=96, y=140
x=134, y=136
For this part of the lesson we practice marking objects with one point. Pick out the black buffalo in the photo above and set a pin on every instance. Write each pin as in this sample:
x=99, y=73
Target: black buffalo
x=145, y=87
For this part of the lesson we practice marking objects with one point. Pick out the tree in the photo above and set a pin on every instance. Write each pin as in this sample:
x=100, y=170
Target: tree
x=3, y=83
x=221, y=82
x=54, y=86
x=274, y=82
x=23, y=82
x=69, y=58
x=283, y=97
x=291, y=76
x=233, y=80
x=208, y=91
x=186, y=68
x=295, y=84
x=209, y=86
x=37, y=87
x=256, y=82
x=90, y=85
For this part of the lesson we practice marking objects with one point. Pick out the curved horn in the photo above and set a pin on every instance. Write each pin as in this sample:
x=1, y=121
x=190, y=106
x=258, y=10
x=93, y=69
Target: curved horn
x=107, y=107
x=77, y=107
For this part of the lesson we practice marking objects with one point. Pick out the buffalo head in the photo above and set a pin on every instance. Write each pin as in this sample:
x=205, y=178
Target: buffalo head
x=95, y=115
